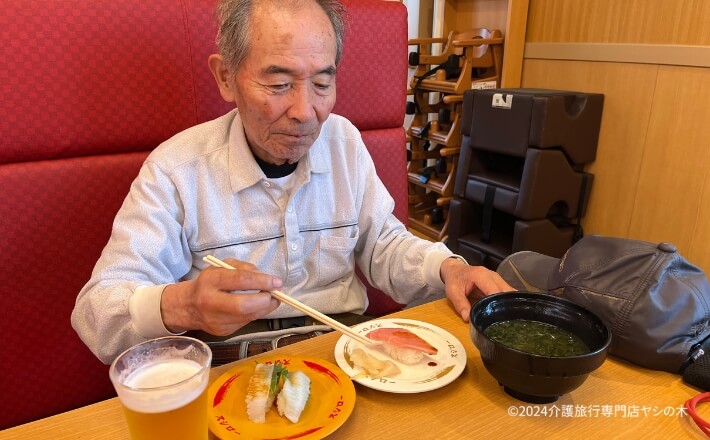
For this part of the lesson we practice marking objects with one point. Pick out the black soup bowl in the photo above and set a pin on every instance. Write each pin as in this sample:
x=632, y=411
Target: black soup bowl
x=536, y=378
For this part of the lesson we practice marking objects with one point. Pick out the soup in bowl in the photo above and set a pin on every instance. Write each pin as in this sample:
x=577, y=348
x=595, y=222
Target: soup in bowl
x=538, y=346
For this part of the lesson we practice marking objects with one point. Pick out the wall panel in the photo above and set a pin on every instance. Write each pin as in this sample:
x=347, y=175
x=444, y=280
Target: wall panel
x=675, y=160
x=628, y=91
x=700, y=247
x=620, y=21
x=651, y=174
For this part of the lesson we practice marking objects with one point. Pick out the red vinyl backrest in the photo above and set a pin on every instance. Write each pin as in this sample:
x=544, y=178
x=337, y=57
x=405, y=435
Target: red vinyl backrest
x=87, y=89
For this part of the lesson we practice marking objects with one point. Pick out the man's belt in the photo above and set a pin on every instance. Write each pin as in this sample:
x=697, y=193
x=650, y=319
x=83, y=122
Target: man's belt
x=264, y=335
x=230, y=351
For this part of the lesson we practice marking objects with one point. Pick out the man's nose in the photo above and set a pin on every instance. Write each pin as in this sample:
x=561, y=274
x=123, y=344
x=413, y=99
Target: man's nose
x=302, y=107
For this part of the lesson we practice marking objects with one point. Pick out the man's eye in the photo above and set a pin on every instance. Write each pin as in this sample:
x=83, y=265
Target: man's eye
x=323, y=86
x=279, y=87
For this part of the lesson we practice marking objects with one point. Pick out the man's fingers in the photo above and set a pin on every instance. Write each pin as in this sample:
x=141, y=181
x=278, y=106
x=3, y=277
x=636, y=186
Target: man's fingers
x=479, y=282
x=488, y=281
x=247, y=306
x=465, y=313
x=241, y=265
x=490, y=286
x=231, y=311
x=241, y=279
x=461, y=304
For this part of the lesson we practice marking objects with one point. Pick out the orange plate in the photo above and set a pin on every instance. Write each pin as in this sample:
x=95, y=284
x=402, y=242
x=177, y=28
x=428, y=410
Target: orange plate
x=330, y=404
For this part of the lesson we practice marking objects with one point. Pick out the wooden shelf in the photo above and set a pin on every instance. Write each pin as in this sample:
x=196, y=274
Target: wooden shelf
x=443, y=186
x=431, y=141
x=438, y=232
x=510, y=16
x=447, y=133
x=471, y=56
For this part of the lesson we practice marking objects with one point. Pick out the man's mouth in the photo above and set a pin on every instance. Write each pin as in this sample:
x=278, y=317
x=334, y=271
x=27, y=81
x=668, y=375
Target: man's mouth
x=296, y=135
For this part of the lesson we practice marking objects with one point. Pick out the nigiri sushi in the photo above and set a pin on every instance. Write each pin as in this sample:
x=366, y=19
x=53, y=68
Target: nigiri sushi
x=402, y=344
x=293, y=396
x=262, y=390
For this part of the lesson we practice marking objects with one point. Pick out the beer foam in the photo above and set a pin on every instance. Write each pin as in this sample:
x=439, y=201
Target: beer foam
x=148, y=389
x=163, y=373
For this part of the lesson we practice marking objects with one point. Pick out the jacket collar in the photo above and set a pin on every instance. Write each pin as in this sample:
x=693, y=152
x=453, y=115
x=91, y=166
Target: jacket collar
x=244, y=172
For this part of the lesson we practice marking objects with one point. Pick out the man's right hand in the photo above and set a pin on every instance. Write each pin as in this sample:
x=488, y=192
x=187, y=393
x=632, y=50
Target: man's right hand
x=207, y=302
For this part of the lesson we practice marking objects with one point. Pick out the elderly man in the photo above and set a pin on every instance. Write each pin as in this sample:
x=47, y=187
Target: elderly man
x=281, y=188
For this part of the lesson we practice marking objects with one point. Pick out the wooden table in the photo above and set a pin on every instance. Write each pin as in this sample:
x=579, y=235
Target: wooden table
x=619, y=400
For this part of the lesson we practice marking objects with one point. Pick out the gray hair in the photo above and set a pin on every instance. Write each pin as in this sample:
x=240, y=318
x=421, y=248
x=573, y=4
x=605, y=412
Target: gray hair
x=235, y=19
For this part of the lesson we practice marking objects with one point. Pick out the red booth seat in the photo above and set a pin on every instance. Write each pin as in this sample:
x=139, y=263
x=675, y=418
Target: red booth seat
x=87, y=89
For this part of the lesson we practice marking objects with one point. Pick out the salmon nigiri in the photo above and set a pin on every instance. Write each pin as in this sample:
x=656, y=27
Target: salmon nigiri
x=402, y=344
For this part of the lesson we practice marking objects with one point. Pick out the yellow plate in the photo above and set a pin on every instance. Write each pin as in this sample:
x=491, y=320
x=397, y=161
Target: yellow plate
x=330, y=404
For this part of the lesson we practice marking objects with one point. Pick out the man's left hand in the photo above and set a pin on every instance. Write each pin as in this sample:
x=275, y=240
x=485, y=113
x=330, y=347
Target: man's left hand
x=462, y=281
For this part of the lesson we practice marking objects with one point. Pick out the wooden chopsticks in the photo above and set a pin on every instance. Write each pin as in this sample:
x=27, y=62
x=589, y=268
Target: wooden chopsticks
x=327, y=320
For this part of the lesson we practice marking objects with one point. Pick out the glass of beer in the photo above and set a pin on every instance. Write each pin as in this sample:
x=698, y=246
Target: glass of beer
x=162, y=385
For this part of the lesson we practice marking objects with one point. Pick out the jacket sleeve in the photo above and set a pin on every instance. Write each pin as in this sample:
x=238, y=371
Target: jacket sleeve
x=120, y=304
x=392, y=259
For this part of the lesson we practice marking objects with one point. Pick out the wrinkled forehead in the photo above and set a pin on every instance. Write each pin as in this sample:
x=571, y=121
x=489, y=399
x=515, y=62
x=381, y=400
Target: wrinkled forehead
x=302, y=17
x=304, y=30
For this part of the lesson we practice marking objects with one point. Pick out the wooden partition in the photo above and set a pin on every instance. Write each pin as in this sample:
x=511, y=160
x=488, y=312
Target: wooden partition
x=651, y=58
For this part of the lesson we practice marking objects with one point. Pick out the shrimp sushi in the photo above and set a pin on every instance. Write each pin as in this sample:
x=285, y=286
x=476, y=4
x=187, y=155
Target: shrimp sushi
x=260, y=393
x=293, y=396
x=402, y=345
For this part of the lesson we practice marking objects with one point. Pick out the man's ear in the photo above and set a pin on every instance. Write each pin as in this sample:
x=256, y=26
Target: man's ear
x=224, y=78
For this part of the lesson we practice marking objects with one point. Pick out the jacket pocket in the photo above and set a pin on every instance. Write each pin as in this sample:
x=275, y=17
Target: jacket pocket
x=336, y=258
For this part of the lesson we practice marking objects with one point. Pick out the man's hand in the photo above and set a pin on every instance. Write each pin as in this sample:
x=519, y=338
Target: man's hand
x=206, y=303
x=462, y=280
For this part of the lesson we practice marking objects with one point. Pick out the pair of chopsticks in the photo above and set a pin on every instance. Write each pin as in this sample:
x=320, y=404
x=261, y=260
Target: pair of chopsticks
x=327, y=320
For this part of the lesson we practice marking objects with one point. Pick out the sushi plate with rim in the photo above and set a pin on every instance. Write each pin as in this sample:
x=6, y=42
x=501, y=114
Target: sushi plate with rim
x=432, y=372
x=331, y=402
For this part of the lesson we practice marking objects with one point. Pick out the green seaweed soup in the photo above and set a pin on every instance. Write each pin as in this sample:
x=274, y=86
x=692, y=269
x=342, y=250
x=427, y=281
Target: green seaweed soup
x=536, y=338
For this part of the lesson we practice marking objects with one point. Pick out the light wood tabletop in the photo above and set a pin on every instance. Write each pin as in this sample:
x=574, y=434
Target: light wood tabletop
x=619, y=400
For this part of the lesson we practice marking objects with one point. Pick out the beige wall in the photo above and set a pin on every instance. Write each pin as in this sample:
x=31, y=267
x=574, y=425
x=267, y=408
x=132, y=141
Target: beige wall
x=651, y=60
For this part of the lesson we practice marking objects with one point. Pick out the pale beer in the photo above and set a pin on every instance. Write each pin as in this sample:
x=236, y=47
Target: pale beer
x=163, y=388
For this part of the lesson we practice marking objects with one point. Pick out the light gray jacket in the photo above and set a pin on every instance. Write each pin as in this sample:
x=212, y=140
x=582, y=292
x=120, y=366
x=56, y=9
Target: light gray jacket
x=202, y=193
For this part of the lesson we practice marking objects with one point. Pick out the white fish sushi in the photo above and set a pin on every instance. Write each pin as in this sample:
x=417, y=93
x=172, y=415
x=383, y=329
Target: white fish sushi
x=294, y=395
x=260, y=394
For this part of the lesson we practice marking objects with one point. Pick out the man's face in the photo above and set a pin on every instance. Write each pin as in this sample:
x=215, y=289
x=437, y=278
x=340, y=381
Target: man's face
x=285, y=88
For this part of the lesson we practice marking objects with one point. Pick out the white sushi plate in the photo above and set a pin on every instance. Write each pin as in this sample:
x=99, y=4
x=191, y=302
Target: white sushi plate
x=434, y=371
